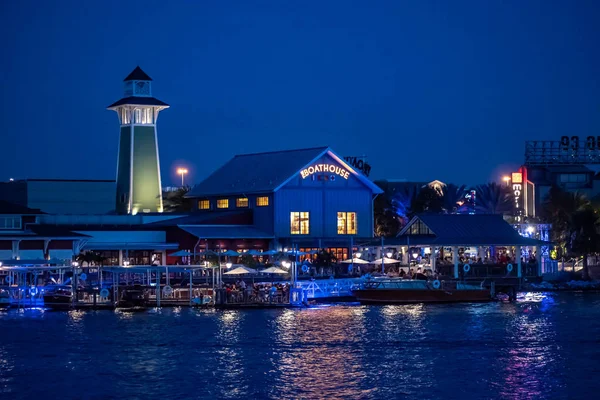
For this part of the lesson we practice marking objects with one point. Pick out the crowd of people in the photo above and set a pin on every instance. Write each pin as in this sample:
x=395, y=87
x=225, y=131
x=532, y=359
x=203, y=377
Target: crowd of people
x=240, y=292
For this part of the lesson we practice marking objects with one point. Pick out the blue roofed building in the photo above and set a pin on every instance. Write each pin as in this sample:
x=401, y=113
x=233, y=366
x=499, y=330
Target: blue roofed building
x=307, y=198
x=481, y=245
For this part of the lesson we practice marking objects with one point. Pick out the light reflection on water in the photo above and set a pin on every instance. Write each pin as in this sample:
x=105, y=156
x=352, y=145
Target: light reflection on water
x=321, y=356
x=546, y=349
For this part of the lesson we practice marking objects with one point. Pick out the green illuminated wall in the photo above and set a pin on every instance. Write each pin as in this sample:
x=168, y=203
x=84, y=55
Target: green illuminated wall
x=146, y=190
x=146, y=187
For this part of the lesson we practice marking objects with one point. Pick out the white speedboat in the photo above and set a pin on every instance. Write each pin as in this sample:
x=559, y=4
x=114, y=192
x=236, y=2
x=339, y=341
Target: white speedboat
x=530, y=297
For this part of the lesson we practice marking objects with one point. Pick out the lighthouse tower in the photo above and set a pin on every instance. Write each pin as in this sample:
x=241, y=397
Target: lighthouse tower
x=138, y=168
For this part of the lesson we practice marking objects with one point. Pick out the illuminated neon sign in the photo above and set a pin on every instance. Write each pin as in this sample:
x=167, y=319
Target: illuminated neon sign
x=517, y=177
x=325, y=168
x=517, y=188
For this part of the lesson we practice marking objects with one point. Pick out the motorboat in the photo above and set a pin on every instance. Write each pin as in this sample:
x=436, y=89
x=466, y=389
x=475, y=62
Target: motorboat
x=133, y=298
x=58, y=297
x=407, y=291
x=4, y=299
x=530, y=297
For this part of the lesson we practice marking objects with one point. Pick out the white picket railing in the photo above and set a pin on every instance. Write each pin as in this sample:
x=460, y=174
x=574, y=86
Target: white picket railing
x=329, y=287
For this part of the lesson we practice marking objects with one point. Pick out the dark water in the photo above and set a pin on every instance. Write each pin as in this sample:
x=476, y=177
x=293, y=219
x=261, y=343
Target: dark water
x=546, y=350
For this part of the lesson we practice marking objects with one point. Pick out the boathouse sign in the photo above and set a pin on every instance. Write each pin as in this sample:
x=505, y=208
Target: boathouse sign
x=324, y=168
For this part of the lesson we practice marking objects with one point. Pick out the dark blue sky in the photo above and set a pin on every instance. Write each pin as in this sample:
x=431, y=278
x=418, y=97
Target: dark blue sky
x=443, y=90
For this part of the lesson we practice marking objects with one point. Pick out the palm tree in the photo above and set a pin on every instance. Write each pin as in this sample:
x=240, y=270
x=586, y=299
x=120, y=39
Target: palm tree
x=91, y=258
x=404, y=202
x=176, y=201
x=88, y=257
x=428, y=200
x=452, y=197
x=584, y=238
x=387, y=221
x=493, y=199
x=560, y=209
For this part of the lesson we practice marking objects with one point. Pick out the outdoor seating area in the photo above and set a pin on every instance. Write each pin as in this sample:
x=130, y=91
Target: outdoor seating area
x=258, y=293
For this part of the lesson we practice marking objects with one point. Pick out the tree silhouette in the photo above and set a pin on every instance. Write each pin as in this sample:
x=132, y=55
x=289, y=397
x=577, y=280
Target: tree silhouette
x=453, y=197
x=493, y=199
x=176, y=201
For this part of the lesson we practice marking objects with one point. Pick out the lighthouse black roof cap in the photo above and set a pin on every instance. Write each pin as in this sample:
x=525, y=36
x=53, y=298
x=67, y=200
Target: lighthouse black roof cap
x=137, y=75
x=139, y=101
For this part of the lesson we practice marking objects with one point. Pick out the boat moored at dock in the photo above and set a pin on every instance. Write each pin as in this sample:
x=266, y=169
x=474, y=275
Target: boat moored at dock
x=133, y=298
x=403, y=291
x=58, y=297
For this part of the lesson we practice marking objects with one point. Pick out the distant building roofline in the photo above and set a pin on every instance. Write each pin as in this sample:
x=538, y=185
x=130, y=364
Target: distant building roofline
x=323, y=148
x=67, y=180
x=59, y=180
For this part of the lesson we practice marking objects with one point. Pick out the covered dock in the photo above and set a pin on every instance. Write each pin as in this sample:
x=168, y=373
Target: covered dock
x=465, y=246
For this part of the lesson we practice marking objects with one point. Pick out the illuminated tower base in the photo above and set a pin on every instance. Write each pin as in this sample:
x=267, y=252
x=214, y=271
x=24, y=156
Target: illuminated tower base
x=138, y=168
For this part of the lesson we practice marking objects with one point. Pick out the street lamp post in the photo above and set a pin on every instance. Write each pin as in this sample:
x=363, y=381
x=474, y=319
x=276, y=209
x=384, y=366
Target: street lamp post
x=74, y=282
x=182, y=172
x=506, y=180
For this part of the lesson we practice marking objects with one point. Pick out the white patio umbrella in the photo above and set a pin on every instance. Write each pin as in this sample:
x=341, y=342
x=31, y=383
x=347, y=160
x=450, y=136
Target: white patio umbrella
x=356, y=261
x=385, y=261
x=274, y=270
x=241, y=271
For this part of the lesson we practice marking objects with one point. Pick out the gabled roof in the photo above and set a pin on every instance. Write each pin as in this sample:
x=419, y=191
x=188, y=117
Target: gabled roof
x=464, y=230
x=265, y=172
x=212, y=218
x=225, y=232
x=138, y=101
x=12, y=208
x=137, y=75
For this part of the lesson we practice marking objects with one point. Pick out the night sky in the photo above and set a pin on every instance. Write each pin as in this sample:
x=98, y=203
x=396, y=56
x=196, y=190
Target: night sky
x=444, y=90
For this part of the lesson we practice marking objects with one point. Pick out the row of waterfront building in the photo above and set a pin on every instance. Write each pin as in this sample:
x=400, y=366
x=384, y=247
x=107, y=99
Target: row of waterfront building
x=305, y=198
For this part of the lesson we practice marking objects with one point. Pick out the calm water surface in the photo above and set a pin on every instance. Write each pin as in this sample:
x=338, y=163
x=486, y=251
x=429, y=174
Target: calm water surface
x=546, y=350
